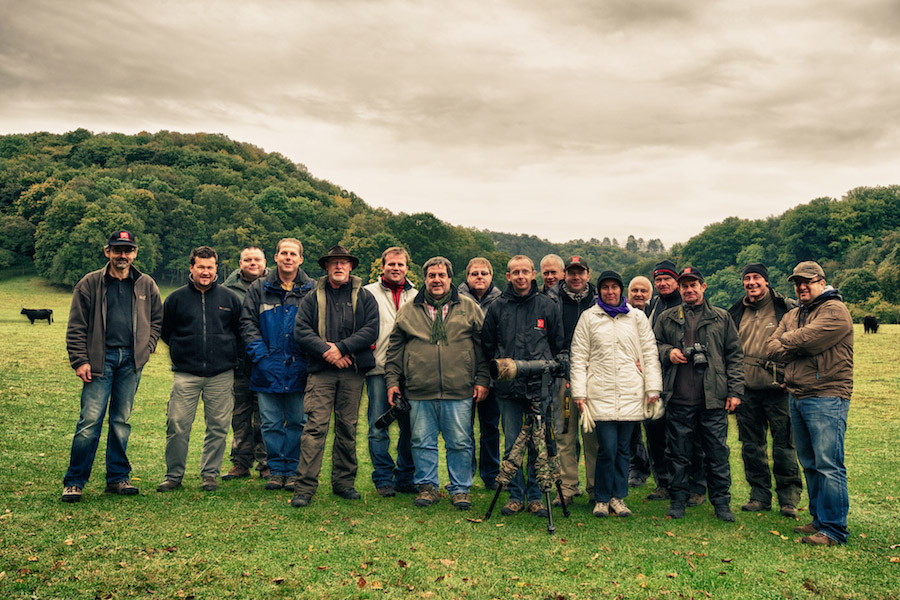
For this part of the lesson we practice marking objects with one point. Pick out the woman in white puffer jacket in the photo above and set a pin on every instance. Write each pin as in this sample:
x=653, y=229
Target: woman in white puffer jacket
x=615, y=374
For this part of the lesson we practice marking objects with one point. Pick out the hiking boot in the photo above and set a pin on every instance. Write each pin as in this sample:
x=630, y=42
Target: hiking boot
x=818, y=539
x=209, y=484
x=566, y=497
x=290, y=484
x=122, y=488
x=617, y=505
x=756, y=506
x=428, y=495
x=789, y=511
x=537, y=508
x=676, y=511
x=276, y=482
x=71, y=493
x=348, y=494
x=491, y=485
x=265, y=473
x=512, y=507
x=168, y=485
x=601, y=509
x=659, y=493
x=300, y=500
x=407, y=488
x=236, y=472
x=387, y=491
x=723, y=513
x=696, y=499
x=461, y=501
x=636, y=480
x=808, y=529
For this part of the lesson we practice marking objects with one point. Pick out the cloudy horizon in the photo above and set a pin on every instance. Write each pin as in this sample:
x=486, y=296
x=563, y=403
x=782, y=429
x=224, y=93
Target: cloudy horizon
x=562, y=120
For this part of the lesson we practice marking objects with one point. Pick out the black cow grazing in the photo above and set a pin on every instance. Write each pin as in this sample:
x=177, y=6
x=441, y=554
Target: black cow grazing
x=870, y=324
x=38, y=314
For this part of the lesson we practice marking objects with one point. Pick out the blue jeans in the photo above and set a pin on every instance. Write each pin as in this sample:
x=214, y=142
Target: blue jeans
x=613, y=459
x=282, y=420
x=116, y=387
x=512, y=415
x=819, y=425
x=384, y=473
x=452, y=419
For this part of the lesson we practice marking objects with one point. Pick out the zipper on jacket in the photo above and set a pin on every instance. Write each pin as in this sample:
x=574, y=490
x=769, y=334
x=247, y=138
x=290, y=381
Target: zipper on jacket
x=203, y=312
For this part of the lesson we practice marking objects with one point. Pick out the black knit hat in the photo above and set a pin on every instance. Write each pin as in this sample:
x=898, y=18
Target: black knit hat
x=665, y=267
x=758, y=268
x=611, y=275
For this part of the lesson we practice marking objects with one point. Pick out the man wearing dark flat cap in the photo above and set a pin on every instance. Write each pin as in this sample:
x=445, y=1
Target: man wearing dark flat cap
x=337, y=327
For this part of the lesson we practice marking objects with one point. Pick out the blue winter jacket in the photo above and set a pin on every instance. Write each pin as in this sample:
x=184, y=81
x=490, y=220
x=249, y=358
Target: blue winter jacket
x=267, y=328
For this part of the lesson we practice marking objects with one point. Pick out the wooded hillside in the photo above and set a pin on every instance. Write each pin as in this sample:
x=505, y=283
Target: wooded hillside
x=61, y=196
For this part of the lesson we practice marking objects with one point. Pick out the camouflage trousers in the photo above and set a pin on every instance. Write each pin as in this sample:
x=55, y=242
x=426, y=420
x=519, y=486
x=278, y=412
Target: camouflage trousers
x=531, y=438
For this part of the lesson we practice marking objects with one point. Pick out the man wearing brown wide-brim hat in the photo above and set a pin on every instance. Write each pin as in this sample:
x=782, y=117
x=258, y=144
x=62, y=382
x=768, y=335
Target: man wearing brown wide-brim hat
x=338, y=252
x=336, y=327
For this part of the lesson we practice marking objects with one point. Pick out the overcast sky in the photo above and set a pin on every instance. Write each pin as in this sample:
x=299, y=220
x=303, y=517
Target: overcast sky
x=560, y=118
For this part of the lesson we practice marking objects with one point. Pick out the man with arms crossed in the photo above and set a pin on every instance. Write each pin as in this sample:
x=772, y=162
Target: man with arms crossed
x=815, y=340
x=337, y=326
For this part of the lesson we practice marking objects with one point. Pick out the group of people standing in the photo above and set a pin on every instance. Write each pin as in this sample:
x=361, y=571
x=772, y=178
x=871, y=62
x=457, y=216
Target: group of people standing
x=275, y=354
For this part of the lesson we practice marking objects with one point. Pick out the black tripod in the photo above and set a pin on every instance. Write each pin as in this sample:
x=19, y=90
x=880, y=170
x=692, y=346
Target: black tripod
x=536, y=436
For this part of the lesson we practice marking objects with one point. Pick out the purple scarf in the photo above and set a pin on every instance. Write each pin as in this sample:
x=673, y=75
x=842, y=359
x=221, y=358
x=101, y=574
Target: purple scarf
x=612, y=311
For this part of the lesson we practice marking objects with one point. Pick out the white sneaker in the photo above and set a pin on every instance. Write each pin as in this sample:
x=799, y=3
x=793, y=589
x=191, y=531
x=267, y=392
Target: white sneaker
x=601, y=509
x=618, y=507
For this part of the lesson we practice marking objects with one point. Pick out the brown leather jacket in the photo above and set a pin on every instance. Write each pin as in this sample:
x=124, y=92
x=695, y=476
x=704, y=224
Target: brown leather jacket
x=818, y=353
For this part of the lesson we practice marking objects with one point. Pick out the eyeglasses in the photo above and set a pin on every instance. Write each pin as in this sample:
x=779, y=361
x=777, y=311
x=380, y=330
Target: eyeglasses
x=798, y=283
x=480, y=273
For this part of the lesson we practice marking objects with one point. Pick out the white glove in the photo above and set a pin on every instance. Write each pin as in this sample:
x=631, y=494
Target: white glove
x=587, y=421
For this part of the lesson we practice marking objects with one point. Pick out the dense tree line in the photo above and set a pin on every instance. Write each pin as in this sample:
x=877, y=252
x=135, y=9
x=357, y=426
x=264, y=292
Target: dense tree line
x=61, y=195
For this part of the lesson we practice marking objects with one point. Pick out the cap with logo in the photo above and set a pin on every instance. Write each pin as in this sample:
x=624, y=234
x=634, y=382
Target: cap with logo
x=122, y=238
x=576, y=262
x=690, y=273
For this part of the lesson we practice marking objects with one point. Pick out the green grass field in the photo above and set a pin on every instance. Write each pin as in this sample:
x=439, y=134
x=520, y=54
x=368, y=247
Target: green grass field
x=244, y=542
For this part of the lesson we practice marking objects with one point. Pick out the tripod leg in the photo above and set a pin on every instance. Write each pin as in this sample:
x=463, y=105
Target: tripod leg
x=551, y=529
x=490, y=509
x=562, y=498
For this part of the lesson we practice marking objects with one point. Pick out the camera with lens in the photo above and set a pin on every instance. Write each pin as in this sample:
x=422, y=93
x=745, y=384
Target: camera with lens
x=696, y=355
x=401, y=406
x=507, y=369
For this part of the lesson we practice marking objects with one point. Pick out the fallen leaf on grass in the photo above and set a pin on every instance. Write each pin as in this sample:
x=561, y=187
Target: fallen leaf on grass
x=894, y=546
x=470, y=520
x=376, y=585
x=361, y=583
x=672, y=575
x=862, y=535
x=670, y=534
x=322, y=568
x=895, y=559
x=189, y=535
x=727, y=560
x=774, y=532
x=499, y=524
x=401, y=563
x=32, y=559
x=278, y=580
x=782, y=571
x=447, y=562
x=69, y=542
